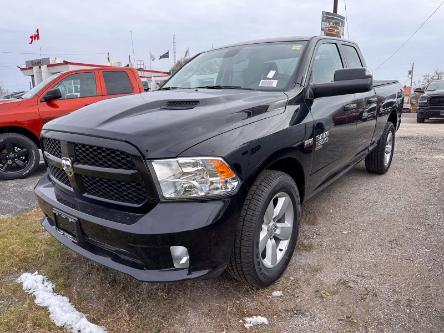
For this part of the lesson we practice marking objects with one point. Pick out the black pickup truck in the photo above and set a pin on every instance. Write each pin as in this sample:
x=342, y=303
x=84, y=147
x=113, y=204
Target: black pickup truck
x=210, y=172
x=431, y=101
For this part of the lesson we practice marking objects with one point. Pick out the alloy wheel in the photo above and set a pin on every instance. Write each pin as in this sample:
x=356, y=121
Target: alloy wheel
x=276, y=230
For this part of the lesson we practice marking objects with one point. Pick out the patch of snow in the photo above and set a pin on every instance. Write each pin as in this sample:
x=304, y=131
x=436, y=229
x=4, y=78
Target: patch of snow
x=255, y=320
x=277, y=293
x=61, y=311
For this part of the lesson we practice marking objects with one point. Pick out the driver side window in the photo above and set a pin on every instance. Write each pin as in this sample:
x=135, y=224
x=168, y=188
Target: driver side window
x=78, y=85
x=327, y=61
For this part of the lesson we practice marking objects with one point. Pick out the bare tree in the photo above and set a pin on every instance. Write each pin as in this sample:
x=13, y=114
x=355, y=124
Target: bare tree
x=426, y=79
x=3, y=91
x=178, y=65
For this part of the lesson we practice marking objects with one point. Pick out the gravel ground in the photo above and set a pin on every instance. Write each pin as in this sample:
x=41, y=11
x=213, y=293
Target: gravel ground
x=369, y=258
x=17, y=195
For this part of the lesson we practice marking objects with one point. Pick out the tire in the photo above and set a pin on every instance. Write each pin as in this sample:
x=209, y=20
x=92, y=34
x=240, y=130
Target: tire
x=25, y=156
x=376, y=161
x=420, y=120
x=247, y=263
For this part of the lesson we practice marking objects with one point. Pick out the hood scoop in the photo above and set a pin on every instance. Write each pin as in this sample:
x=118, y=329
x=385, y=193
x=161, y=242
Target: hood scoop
x=179, y=105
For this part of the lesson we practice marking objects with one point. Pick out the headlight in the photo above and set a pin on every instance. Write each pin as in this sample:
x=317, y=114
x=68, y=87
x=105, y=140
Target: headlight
x=423, y=100
x=188, y=178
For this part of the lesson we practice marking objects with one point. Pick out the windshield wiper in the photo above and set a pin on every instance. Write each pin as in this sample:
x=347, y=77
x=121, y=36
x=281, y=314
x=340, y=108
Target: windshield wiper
x=223, y=87
x=169, y=88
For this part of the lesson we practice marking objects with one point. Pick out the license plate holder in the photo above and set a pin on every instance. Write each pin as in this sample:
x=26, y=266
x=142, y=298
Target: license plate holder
x=66, y=224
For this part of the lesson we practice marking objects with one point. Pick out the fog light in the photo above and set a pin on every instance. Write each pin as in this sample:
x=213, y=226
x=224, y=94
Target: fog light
x=180, y=256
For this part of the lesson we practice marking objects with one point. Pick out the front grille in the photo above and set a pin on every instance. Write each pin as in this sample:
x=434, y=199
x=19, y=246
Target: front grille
x=129, y=192
x=103, y=157
x=52, y=146
x=93, y=183
x=438, y=101
x=59, y=175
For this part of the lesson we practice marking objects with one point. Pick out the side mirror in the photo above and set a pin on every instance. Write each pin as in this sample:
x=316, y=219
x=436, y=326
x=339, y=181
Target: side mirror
x=346, y=81
x=52, y=95
x=419, y=91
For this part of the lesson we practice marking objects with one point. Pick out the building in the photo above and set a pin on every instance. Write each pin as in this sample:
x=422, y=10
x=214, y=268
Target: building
x=40, y=69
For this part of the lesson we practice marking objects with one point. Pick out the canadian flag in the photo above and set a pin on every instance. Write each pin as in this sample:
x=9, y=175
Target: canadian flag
x=34, y=37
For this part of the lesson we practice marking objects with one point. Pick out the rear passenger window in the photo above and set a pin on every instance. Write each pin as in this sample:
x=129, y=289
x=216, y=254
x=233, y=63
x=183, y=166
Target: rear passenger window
x=327, y=61
x=117, y=83
x=351, y=56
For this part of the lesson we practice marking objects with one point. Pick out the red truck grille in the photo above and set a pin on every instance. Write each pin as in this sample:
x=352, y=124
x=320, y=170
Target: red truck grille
x=100, y=173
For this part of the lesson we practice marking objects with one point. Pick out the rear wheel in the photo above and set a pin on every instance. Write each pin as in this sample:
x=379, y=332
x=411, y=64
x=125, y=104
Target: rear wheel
x=268, y=230
x=379, y=159
x=19, y=156
x=419, y=119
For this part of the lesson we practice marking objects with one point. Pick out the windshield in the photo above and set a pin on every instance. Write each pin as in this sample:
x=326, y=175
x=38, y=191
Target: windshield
x=436, y=85
x=267, y=66
x=34, y=91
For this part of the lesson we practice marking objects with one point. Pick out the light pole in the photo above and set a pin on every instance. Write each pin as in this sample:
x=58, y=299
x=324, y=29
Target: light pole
x=335, y=6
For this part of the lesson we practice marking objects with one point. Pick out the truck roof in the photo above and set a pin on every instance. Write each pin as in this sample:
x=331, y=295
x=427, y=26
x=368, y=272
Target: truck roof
x=284, y=39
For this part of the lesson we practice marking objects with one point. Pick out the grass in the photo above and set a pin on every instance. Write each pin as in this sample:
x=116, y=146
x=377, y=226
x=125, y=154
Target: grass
x=112, y=299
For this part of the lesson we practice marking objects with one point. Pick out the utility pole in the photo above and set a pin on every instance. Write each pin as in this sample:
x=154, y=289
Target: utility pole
x=411, y=75
x=174, y=49
x=335, y=6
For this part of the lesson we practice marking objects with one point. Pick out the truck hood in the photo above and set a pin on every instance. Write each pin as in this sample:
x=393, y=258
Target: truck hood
x=434, y=93
x=164, y=123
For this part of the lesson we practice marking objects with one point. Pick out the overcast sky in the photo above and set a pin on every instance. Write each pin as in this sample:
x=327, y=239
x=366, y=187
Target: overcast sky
x=85, y=30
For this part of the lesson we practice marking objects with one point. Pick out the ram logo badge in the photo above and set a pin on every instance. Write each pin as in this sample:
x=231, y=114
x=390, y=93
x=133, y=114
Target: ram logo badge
x=67, y=166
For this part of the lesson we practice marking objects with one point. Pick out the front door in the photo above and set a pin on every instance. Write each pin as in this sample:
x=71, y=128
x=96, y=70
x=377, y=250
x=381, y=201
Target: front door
x=334, y=118
x=78, y=90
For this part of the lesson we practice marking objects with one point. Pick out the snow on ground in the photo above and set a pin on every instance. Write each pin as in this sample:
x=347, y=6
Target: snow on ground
x=61, y=311
x=255, y=320
x=277, y=293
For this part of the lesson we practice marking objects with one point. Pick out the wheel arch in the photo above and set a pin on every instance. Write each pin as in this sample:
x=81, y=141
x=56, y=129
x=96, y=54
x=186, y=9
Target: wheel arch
x=291, y=166
x=393, y=118
x=21, y=130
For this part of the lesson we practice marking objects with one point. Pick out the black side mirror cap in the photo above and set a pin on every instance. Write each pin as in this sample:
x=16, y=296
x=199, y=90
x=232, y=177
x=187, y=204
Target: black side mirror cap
x=51, y=95
x=346, y=81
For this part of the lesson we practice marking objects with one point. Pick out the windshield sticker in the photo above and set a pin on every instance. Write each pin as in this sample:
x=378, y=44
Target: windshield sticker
x=271, y=74
x=296, y=47
x=268, y=83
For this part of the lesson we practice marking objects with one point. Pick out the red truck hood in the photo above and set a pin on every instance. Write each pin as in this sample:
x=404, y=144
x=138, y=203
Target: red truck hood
x=7, y=101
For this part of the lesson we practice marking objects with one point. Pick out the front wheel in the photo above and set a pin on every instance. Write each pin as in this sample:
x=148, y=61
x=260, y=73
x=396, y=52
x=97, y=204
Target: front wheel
x=19, y=156
x=268, y=230
x=419, y=120
x=379, y=159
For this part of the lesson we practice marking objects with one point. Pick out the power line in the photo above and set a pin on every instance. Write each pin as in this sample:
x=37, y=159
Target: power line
x=410, y=37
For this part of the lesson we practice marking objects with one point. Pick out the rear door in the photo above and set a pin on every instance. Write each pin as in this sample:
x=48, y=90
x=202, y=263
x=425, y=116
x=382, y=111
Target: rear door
x=78, y=90
x=334, y=117
x=367, y=103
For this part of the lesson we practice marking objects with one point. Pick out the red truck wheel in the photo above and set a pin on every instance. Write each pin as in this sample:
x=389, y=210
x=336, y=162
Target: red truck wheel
x=19, y=156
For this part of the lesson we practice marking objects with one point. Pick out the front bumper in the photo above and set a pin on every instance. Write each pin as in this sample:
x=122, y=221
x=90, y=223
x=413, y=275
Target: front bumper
x=139, y=244
x=431, y=112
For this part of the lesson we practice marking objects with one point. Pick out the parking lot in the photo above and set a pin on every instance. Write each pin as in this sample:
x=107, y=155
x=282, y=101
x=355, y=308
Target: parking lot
x=369, y=259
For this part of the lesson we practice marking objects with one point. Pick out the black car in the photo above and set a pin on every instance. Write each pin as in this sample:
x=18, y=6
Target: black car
x=431, y=102
x=209, y=173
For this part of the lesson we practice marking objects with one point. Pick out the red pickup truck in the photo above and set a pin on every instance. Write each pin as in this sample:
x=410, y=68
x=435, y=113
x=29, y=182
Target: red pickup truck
x=21, y=120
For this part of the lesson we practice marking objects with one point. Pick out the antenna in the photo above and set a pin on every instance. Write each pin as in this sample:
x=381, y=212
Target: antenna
x=132, y=45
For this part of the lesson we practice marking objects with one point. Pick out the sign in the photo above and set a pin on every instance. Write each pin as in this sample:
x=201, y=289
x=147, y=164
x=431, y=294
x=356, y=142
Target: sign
x=332, y=25
x=37, y=62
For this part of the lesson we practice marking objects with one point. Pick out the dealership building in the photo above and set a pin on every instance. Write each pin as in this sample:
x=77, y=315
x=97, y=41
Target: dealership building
x=40, y=69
